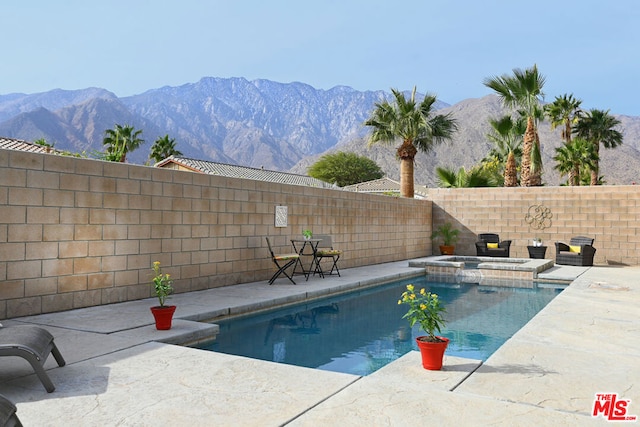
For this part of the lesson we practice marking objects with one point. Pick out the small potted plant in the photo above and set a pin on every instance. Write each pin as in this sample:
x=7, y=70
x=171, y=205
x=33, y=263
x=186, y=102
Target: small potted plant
x=163, y=314
x=449, y=237
x=426, y=309
x=537, y=242
x=307, y=234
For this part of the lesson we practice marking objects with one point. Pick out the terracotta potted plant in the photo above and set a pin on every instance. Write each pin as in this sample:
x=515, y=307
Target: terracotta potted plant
x=426, y=309
x=163, y=314
x=449, y=237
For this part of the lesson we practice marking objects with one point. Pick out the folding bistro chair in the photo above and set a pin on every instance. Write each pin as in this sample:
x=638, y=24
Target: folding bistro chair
x=288, y=259
x=326, y=250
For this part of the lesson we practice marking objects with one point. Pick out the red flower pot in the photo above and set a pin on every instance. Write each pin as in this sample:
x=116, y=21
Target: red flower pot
x=432, y=352
x=447, y=250
x=163, y=316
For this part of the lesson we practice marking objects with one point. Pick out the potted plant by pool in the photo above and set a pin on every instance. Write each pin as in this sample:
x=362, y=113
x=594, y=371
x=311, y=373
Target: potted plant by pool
x=163, y=314
x=449, y=237
x=426, y=309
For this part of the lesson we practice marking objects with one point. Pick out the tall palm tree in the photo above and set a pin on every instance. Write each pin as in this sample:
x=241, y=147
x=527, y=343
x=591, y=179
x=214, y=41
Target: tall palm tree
x=507, y=135
x=163, y=148
x=523, y=91
x=574, y=156
x=564, y=111
x=415, y=124
x=597, y=127
x=121, y=140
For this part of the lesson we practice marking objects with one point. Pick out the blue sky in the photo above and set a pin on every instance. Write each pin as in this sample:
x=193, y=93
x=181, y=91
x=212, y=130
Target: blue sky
x=586, y=48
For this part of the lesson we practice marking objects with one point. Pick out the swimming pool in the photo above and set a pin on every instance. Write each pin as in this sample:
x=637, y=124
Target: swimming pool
x=362, y=331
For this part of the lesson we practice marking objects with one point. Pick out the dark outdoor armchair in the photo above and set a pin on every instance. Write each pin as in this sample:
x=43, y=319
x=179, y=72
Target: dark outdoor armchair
x=579, y=251
x=489, y=244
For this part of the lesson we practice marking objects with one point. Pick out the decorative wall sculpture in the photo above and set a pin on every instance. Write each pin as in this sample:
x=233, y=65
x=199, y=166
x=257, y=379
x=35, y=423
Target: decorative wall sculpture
x=538, y=217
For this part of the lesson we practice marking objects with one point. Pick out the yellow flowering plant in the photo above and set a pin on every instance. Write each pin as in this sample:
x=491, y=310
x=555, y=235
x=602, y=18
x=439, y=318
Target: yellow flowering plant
x=162, y=283
x=424, y=308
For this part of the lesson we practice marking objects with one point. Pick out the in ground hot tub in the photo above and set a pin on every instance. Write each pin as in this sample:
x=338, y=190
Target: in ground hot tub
x=474, y=269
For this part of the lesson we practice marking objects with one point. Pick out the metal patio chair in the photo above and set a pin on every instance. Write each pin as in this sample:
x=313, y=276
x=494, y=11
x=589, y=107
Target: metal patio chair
x=287, y=259
x=326, y=250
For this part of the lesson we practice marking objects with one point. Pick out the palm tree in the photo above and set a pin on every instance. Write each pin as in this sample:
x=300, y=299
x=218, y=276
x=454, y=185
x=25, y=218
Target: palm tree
x=585, y=178
x=163, y=148
x=507, y=137
x=415, y=125
x=120, y=141
x=564, y=111
x=571, y=157
x=475, y=177
x=523, y=91
x=597, y=127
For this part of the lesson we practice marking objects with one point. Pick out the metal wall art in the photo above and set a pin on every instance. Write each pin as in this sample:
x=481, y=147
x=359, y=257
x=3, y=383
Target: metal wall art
x=538, y=217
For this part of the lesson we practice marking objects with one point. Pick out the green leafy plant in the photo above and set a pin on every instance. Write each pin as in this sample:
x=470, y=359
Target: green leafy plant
x=162, y=283
x=425, y=309
x=448, y=234
x=344, y=168
x=307, y=234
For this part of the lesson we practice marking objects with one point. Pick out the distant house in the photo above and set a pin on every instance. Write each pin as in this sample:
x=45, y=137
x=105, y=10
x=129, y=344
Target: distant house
x=385, y=186
x=234, y=171
x=20, y=145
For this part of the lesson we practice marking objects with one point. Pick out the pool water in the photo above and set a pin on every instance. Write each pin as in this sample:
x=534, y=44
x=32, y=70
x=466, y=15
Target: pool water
x=360, y=332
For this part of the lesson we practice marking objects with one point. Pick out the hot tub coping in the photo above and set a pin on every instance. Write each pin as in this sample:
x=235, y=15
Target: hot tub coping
x=534, y=266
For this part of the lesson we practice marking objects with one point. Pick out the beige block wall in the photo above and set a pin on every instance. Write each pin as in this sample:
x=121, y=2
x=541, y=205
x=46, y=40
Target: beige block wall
x=610, y=214
x=78, y=232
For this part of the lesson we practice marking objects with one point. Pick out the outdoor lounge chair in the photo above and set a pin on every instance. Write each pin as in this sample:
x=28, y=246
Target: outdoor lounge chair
x=8, y=417
x=282, y=261
x=34, y=344
x=579, y=251
x=489, y=244
x=326, y=250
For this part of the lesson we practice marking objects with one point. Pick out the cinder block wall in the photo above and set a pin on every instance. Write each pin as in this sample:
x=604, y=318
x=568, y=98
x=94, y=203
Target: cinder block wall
x=78, y=232
x=610, y=214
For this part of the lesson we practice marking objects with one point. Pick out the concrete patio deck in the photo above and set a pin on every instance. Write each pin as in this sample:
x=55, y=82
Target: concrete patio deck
x=121, y=371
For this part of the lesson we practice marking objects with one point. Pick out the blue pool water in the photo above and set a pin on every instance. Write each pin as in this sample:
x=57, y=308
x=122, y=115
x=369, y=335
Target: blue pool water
x=360, y=332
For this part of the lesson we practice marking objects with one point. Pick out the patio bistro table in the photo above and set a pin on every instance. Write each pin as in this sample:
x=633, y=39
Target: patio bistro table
x=300, y=246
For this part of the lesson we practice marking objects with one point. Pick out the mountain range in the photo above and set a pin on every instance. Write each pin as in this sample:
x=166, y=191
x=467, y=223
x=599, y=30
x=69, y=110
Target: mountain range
x=277, y=126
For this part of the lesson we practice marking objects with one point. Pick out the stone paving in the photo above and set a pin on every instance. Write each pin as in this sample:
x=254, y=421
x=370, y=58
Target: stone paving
x=121, y=371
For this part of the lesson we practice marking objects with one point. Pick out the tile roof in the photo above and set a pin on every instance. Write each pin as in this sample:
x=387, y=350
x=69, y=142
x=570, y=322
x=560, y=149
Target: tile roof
x=235, y=171
x=20, y=145
x=383, y=185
